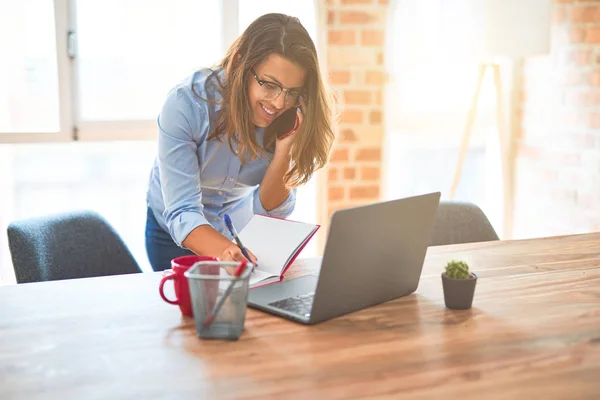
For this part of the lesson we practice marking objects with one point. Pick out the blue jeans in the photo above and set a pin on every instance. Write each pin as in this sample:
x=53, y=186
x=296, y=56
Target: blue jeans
x=160, y=247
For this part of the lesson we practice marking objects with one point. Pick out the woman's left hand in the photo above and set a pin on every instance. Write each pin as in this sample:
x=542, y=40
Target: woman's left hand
x=284, y=145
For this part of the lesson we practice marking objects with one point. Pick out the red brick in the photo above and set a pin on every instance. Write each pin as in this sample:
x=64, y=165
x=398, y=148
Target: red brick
x=563, y=158
x=374, y=77
x=335, y=193
x=332, y=174
x=585, y=14
x=594, y=78
x=358, y=97
x=370, y=173
x=577, y=35
x=348, y=135
x=594, y=122
x=375, y=117
x=579, y=57
x=368, y=154
x=559, y=15
x=356, y=17
x=352, y=117
x=340, y=155
x=341, y=38
x=378, y=97
x=572, y=118
x=593, y=36
x=578, y=141
x=584, y=99
x=343, y=57
x=330, y=18
x=567, y=158
x=364, y=192
x=349, y=173
x=372, y=38
x=339, y=77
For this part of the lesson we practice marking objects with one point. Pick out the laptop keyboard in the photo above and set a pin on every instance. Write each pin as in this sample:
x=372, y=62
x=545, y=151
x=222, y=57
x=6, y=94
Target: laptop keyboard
x=300, y=304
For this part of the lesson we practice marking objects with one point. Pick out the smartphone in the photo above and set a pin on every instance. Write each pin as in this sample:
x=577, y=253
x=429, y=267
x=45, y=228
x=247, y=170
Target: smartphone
x=285, y=122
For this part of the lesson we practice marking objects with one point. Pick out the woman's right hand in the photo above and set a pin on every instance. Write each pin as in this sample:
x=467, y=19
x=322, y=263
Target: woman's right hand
x=234, y=253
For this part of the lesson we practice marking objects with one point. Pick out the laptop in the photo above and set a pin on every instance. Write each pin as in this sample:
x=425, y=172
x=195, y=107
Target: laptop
x=374, y=253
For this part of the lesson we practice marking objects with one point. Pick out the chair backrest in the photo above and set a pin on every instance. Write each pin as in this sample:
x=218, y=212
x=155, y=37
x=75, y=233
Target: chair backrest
x=79, y=244
x=460, y=222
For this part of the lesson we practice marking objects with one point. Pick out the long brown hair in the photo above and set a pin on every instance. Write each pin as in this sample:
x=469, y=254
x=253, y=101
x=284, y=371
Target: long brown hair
x=283, y=35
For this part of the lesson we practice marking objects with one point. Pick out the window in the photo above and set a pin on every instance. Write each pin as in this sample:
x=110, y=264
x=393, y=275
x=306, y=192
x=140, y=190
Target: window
x=128, y=54
x=124, y=72
x=28, y=71
x=432, y=81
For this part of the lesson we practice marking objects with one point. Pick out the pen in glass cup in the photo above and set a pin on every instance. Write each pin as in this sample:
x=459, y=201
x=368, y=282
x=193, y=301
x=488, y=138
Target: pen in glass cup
x=215, y=311
x=233, y=232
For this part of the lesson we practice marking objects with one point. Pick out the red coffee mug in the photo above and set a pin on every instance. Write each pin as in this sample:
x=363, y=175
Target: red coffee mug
x=182, y=291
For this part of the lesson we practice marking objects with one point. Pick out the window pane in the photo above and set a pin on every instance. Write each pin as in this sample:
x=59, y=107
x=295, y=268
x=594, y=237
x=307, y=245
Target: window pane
x=28, y=71
x=303, y=10
x=132, y=52
x=108, y=177
x=427, y=34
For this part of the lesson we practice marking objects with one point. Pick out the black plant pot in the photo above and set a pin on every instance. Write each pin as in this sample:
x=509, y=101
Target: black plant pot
x=458, y=293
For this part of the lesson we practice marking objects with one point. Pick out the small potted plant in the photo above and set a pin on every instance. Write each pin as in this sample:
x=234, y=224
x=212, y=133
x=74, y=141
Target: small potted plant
x=459, y=285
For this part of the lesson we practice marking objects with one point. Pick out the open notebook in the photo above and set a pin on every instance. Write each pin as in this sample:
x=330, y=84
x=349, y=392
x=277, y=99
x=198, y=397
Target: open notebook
x=275, y=243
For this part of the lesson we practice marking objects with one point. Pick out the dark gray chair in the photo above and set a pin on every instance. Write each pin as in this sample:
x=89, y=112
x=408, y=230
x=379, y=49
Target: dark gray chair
x=461, y=222
x=79, y=244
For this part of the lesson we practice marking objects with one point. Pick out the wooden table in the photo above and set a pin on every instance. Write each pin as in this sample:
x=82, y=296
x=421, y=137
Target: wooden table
x=533, y=332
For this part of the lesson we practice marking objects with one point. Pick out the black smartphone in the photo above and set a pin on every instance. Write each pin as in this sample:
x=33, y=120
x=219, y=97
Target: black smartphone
x=285, y=122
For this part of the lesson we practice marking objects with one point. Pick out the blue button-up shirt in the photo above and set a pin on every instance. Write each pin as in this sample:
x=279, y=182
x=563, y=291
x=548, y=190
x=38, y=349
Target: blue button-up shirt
x=195, y=181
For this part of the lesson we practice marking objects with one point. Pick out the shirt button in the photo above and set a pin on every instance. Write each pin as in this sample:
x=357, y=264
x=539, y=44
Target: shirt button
x=220, y=192
x=230, y=179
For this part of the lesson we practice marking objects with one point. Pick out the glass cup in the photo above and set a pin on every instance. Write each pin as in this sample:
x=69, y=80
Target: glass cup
x=219, y=298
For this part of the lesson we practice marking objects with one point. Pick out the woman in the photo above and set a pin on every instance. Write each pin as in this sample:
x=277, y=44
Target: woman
x=218, y=152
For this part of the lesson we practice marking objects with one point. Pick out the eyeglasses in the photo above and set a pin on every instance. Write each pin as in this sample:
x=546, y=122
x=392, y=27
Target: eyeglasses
x=272, y=90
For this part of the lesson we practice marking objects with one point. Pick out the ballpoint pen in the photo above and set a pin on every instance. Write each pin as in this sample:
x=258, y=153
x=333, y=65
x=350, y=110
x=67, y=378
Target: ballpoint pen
x=233, y=232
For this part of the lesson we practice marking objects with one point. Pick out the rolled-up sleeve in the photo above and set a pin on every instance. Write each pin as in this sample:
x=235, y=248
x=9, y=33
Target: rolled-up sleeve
x=284, y=210
x=182, y=125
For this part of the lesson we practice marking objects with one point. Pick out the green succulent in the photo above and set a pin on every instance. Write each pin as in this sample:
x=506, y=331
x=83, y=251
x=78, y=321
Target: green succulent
x=457, y=270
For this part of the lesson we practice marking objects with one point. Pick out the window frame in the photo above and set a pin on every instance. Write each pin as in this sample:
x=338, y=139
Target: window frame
x=64, y=69
x=72, y=128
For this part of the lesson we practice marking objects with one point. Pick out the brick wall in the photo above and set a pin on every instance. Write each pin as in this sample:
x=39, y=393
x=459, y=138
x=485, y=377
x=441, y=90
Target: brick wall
x=558, y=145
x=558, y=152
x=355, y=60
